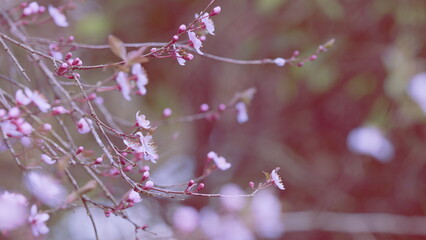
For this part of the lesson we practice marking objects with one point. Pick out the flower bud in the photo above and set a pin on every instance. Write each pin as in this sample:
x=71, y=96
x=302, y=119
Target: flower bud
x=216, y=11
x=182, y=28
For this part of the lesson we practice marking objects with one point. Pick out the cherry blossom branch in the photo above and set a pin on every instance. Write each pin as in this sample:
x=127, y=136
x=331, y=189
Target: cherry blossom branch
x=18, y=65
x=74, y=183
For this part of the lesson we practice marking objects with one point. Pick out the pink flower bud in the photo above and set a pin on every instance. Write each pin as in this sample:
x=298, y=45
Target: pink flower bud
x=79, y=150
x=167, y=112
x=47, y=127
x=216, y=11
x=296, y=53
x=202, y=38
x=222, y=107
x=42, y=9
x=175, y=38
x=71, y=38
x=98, y=160
x=313, y=57
x=300, y=64
x=190, y=183
x=182, y=28
x=77, y=62
x=204, y=107
x=189, y=57
x=68, y=56
x=91, y=96
x=127, y=168
x=107, y=213
x=145, y=176
x=146, y=168
x=251, y=184
x=26, y=12
x=200, y=186
x=149, y=185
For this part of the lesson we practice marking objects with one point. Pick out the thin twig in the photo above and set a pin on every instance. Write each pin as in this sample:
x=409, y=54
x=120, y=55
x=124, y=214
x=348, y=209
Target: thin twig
x=18, y=65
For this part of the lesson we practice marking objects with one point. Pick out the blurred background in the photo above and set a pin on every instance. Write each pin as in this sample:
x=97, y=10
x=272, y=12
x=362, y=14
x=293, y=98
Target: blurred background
x=299, y=119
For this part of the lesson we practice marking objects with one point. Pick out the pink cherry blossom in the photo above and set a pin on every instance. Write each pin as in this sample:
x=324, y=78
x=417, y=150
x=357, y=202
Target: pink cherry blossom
x=145, y=145
x=124, y=85
x=133, y=197
x=186, y=219
x=21, y=98
x=37, y=221
x=83, y=125
x=208, y=23
x=24, y=127
x=196, y=43
x=57, y=16
x=277, y=179
x=370, y=141
x=142, y=122
x=141, y=77
x=13, y=210
x=10, y=129
x=148, y=147
x=38, y=99
x=46, y=188
x=47, y=159
x=59, y=110
x=219, y=161
x=32, y=8
x=53, y=50
x=14, y=112
x=242, y=115
x=179, y=57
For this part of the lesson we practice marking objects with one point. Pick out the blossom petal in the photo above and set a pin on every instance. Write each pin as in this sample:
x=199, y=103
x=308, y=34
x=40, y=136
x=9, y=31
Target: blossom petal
x=57, y=16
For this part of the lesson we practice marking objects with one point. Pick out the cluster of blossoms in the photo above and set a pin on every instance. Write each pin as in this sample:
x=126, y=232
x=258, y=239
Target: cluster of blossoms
x=34, y=9
x=131, y=78
x=14, y=213
x=196, y=32
x=12, y=122
x=57, y=50
x=31, y=8
x=65, y=69
x=126, y=83
x=142, y=144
